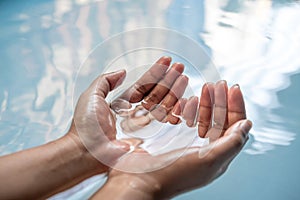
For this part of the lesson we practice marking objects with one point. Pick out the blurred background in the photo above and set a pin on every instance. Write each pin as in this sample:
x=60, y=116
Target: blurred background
x=253, y=42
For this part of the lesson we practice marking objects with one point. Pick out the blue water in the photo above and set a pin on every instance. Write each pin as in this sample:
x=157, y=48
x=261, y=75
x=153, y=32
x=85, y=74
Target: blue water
x=253, y=43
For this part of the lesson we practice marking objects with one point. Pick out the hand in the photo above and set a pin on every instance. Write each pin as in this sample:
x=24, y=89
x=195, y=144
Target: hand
x=198, y=166
x=94, y=124
x=91, y=138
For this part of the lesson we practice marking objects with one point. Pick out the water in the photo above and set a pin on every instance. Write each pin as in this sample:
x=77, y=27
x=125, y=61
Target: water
x=253, y=43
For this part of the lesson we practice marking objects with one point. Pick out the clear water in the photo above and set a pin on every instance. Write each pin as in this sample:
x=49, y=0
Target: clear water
x=253, y=43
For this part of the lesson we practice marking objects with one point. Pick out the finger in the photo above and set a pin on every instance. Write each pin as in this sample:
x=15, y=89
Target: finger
x=179, y=107
x=220, y=122
x=236, y=105
x=205, y=108
x=174, y=115
x=172, y=119
x=137, y=91
x=190, y=111
x=107, y=82
x=161, y=111
x=226, y=148
x=148, y=80
x=176, y=92
x=163, y=87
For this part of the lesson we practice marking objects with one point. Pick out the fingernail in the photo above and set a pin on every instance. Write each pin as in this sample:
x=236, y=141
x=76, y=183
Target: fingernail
x=164, y=59
x=190, y=123
x=236, y=86
x=193, y=98
x=222, y=82
x=184, y=77
x=207, y=84
x=167, y=58
x=177, y=63
x=119, y=71
x=246, y=125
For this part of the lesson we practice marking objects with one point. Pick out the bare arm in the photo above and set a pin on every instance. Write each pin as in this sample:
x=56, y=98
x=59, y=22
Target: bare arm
x=45, y=170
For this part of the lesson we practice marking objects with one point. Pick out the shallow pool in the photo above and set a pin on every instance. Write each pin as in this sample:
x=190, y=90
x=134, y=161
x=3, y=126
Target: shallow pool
x=253, y=43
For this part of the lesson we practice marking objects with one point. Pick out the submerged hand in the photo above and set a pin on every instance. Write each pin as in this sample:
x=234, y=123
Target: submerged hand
x=197, y=166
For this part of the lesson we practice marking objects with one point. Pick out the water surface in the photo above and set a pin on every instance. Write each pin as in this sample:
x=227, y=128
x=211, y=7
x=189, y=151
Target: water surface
x=253, y=43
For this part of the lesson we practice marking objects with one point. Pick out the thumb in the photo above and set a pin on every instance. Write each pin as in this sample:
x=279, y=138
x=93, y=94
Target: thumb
x=228, y=146
x=107, y=82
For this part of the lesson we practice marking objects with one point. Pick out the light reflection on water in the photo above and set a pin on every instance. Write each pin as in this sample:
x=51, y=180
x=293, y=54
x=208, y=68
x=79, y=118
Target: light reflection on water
x=253, y=43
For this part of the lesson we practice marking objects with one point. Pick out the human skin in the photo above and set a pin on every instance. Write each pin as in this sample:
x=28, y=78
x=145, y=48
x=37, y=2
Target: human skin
x=89, y=147
x=221, y=117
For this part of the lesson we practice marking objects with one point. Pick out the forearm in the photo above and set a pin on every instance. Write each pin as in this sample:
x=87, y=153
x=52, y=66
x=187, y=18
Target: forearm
x=43, y=171
x=124, y=188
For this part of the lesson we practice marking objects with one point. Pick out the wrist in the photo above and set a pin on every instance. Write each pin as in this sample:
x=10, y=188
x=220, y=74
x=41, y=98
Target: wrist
x=127, y=187
x=85, y=160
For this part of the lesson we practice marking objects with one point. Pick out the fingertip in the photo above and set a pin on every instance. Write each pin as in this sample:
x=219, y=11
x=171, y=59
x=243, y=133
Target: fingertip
x=120, y=73
x=235, y=86
x=167, y=58
x=245, y=125
x=221, y=82
x=185, y=78
x=210, y=87
x=236, y=100
x=190, y=123
x=194, y=99
x=179, y=107
x=207, y=85
x=235, y=90
x=180, y=85
x=178, y=67
x=190, y=111
x=164, y=60
x=116, y=78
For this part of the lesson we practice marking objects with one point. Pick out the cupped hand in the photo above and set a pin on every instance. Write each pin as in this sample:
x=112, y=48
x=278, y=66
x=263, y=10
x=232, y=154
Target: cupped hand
x=221, y=116
x=94, y=123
